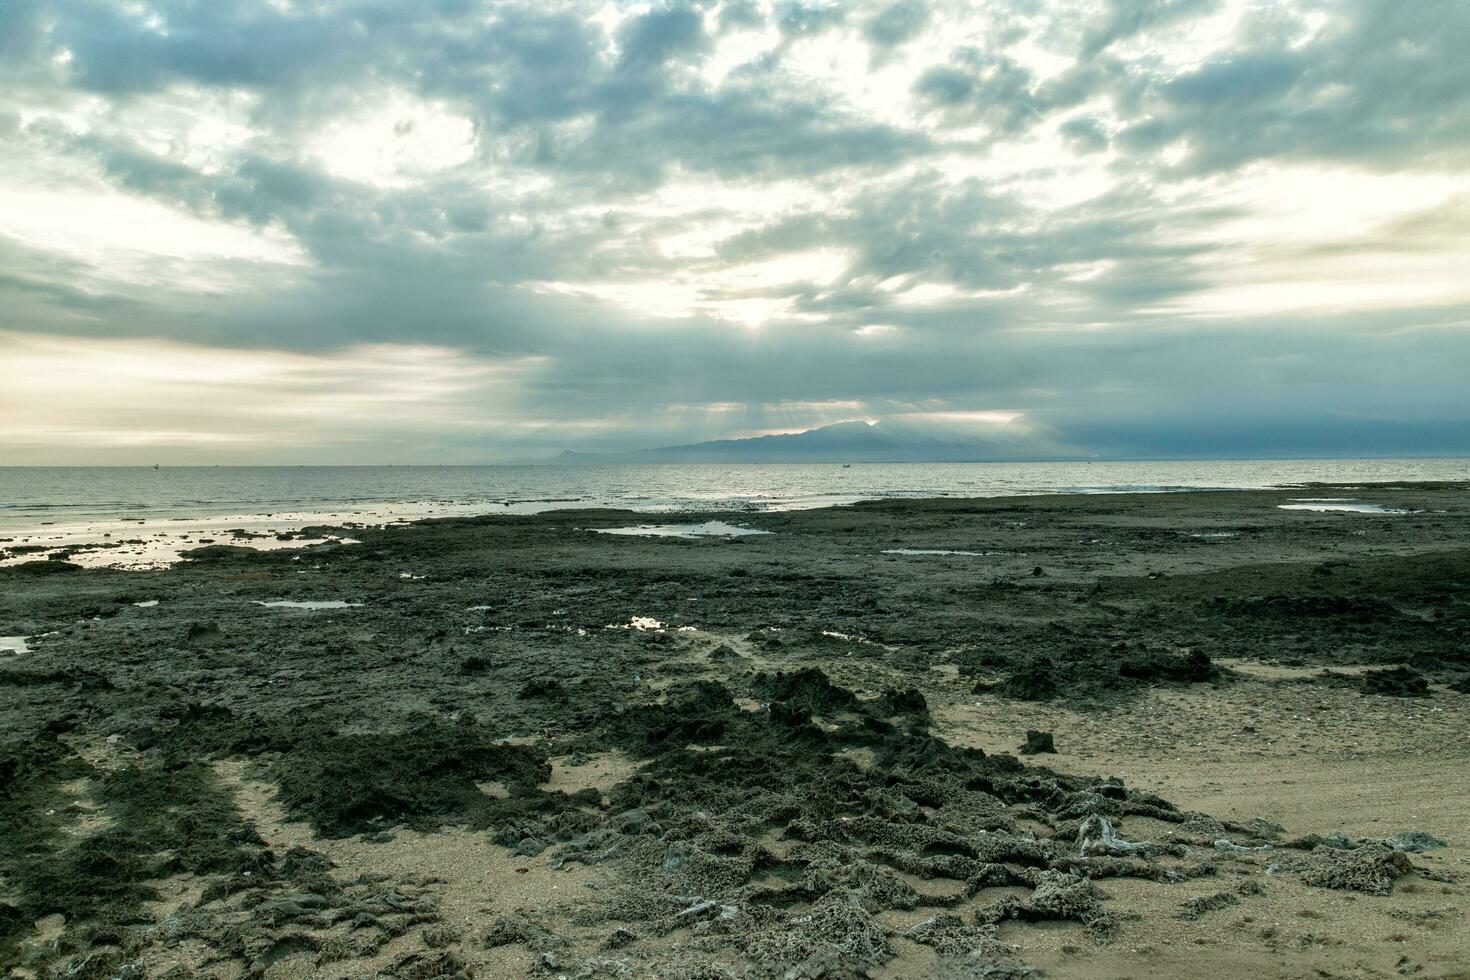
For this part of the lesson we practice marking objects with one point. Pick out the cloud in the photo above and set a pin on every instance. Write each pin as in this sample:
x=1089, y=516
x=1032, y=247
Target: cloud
x=1086, y=134
x=897, y=24
x=656, y=37
x=1125, y=19
x=1123, y=220
x=1375, y=83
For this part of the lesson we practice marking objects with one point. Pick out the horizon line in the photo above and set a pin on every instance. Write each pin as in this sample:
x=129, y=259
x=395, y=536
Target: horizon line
x=551, y=462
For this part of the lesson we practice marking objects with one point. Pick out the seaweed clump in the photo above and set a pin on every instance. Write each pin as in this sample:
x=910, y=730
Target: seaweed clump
x=167, y=817
x=425, y=777
x=762, y=834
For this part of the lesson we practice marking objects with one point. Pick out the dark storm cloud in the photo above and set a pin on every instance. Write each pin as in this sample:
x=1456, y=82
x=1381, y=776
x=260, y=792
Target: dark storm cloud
x=1064, y=306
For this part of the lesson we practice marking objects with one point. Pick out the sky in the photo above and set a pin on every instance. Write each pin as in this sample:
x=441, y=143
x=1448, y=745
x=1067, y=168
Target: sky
x=423, y=231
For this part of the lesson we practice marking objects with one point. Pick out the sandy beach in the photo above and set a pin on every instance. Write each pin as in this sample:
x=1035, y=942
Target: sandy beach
x=517, y=746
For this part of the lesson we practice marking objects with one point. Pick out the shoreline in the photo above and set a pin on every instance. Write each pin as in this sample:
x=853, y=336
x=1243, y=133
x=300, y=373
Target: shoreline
x=155, y=542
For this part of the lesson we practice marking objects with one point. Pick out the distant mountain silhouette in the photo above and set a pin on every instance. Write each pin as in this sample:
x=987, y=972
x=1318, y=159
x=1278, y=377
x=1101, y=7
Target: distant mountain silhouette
x=843, y=442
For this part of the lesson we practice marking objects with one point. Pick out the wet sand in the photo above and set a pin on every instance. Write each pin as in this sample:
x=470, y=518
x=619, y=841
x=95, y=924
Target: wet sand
x=514, y=746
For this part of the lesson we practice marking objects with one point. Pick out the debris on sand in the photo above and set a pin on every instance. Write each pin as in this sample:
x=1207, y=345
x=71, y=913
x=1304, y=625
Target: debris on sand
x=1058, y=896
x=1371, y=869
x=837, y=937
x=968, y=951
x=1097, y=836
x=518, y=929
x=1194, y=908
x=1410, y=841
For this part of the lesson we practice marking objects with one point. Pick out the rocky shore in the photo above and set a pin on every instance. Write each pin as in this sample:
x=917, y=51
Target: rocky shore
x=1194, y=734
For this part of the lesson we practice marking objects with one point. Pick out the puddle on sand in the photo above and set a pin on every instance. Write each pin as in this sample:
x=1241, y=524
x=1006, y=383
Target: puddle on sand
x=14, y=644
x=132, y=549
x=319, y=604
x=709, y=529
x=1343, y=504
x=637, y=623
x=932, y=551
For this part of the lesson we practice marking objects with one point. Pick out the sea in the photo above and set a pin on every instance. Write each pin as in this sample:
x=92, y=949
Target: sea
x=57, y=506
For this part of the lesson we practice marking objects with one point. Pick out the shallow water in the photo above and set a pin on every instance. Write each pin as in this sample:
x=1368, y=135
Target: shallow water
x=931, y=551
x=282, y=496
x=308, y=604
x=14, y=644
x=162, y=511
x=1340, y=504
x=709, y=529
x=138, y=547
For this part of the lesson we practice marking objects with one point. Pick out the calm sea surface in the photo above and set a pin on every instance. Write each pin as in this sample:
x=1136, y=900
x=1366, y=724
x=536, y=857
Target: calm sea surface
x=58, y=498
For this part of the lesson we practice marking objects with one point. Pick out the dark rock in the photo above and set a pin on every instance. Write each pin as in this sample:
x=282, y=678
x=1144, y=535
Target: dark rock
x=1188, y=666
x=901, y=702
x=808, y=689
x=1196, y=907
x=219, y=553
x=1038, y=742
x=620, y=938
x=1395, y=682
x=200, y=633
x=724, y=652
x=45, y=567
x=1037, y=681
x=543, y=687
x=789, y=715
